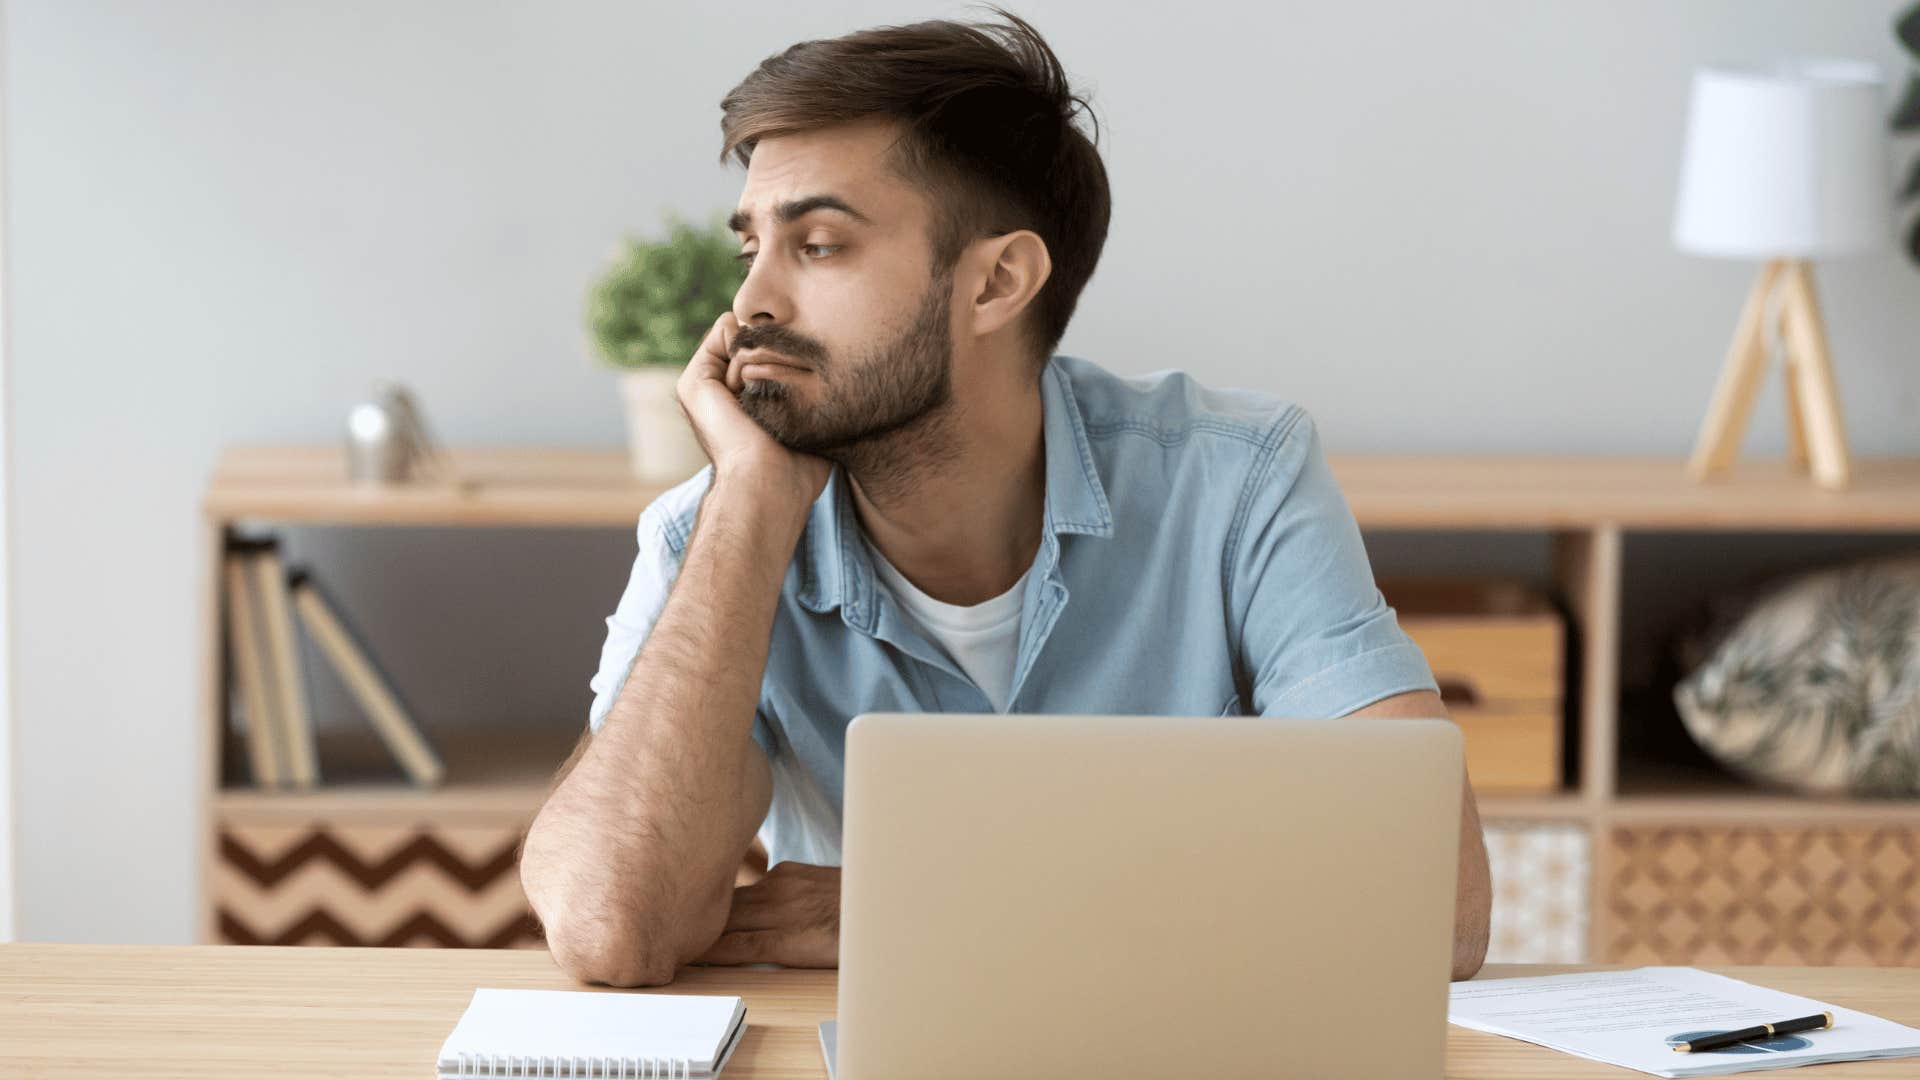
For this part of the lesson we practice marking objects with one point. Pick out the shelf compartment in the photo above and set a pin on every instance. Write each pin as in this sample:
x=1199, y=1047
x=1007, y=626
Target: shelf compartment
x=1497, y=650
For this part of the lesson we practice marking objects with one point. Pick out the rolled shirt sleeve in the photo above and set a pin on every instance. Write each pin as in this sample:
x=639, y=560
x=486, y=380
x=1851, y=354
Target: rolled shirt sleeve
x=1317, y=637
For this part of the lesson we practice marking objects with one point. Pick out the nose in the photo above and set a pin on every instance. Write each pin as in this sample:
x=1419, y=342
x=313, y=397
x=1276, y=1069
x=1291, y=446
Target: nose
x=762, y=298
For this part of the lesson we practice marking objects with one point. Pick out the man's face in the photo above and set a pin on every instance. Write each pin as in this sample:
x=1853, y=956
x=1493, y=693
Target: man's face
x=840, y=299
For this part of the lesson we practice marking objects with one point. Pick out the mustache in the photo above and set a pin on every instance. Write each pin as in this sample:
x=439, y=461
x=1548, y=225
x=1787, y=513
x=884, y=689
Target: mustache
x=777, y=340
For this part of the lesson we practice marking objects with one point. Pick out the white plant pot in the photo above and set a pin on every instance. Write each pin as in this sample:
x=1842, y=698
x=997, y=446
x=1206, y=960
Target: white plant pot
x=659, y=439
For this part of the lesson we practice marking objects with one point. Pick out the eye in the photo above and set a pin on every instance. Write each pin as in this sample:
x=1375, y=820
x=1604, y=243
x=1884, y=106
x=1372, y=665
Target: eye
x=746, y=257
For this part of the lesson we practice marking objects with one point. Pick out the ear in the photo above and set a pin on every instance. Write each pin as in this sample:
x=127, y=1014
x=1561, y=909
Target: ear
x=1012, y=269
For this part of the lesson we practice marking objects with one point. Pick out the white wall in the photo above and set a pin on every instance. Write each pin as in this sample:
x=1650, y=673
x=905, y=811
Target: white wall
x=6, y=573
x=1439, y=226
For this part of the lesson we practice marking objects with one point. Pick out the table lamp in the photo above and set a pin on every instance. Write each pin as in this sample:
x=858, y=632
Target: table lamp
x=1783, y=164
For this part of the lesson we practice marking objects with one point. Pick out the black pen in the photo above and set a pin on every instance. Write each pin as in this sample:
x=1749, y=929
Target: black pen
x=1764, y=1031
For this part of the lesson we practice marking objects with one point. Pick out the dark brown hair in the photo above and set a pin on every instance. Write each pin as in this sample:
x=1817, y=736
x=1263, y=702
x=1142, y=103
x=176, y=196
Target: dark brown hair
x=989, y=136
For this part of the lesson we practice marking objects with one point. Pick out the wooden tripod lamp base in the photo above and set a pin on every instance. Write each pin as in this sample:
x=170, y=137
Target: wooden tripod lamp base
x=1816, y=436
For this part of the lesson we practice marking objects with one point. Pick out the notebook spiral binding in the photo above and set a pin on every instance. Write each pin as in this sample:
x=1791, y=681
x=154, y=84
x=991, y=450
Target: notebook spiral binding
x=507, y=1066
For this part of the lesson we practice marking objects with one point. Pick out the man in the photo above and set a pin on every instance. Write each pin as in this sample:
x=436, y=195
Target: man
x=914, y=505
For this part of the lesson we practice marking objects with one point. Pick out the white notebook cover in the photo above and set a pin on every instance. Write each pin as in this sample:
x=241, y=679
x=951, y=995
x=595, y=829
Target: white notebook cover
x=530, y=1032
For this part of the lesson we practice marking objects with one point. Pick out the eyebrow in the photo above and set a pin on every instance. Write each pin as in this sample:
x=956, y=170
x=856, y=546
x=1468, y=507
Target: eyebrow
x=788, y=212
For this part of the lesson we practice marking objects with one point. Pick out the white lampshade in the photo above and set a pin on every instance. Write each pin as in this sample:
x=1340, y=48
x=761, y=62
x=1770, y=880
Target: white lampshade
x=1787, y=162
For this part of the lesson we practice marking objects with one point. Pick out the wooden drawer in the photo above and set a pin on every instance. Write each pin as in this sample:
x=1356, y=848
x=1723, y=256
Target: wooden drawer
x=1760, y=894
x=1496, y=649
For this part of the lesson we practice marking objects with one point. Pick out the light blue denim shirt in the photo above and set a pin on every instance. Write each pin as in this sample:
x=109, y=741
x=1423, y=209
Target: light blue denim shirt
x=1197, y=559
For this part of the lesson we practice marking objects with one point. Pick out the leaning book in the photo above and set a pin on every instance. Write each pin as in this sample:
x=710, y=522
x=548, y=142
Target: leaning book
x=346, y=650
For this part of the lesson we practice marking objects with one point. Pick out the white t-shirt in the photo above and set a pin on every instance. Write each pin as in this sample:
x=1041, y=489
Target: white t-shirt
x=981, y=639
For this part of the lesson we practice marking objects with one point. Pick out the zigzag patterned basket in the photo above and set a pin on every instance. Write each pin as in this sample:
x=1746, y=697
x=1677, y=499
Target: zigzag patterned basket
x=381, y=885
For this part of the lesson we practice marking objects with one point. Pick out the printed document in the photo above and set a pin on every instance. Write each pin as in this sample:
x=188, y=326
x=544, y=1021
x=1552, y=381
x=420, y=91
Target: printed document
x=1633, y=1018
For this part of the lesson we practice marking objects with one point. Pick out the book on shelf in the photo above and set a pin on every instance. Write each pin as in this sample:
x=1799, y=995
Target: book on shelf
x=346, y=650
x=265, y=601
x=283, y=654
x=246, y=658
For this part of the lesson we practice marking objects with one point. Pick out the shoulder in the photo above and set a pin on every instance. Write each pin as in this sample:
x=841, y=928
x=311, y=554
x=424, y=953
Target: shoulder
x=1173, y=408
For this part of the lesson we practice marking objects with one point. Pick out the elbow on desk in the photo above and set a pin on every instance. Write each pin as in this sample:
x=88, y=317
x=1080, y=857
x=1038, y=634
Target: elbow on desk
x=593, y=934
x=596, y=938
x=612, y=960
x=608, y=951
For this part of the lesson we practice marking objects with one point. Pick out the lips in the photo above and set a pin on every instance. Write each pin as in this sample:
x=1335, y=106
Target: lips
x=756, y=356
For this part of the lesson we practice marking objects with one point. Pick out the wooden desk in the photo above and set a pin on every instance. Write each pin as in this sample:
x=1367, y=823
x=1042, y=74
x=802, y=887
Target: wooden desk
x=257, y=1013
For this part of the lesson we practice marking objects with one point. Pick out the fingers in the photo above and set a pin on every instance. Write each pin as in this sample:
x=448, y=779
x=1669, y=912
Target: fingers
x=709, y=410
x=798, y=949
x=790, y=893
x=754, y=908
x=790, y=917
x=710, y=360
x=743, y=947
x=731, y=328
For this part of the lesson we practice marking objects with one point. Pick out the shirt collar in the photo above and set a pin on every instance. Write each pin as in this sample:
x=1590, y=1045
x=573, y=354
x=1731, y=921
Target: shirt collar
x=835, y=568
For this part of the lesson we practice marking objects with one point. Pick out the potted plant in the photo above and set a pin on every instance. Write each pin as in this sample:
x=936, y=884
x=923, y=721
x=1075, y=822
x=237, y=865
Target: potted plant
x=648, y=314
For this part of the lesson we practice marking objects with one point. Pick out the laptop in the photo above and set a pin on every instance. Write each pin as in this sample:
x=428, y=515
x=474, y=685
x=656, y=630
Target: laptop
x=1138, y=896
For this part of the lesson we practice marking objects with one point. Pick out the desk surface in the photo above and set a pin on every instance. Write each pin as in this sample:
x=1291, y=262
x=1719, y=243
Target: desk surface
x=215, y=1012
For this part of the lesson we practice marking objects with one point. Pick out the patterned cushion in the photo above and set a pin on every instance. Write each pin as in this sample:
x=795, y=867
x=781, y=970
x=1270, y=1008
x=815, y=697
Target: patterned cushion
x=1816, y=686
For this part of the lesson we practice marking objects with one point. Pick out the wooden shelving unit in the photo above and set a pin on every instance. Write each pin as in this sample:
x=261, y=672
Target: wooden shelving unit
x=1586, y=508
x=367, y=858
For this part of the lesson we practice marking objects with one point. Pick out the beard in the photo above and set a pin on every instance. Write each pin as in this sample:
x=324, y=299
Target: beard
x=900, y=386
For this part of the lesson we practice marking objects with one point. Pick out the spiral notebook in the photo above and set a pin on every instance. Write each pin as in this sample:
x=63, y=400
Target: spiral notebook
x=580, y=1033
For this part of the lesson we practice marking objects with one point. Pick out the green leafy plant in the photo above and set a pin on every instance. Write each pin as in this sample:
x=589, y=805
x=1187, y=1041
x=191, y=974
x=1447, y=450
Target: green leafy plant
x=659, y=298
x=1906, y=118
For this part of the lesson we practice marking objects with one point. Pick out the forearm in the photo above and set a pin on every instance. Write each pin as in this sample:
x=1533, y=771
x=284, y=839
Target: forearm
x=630, y=863
x=1473, y=888
x=1473, y=896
